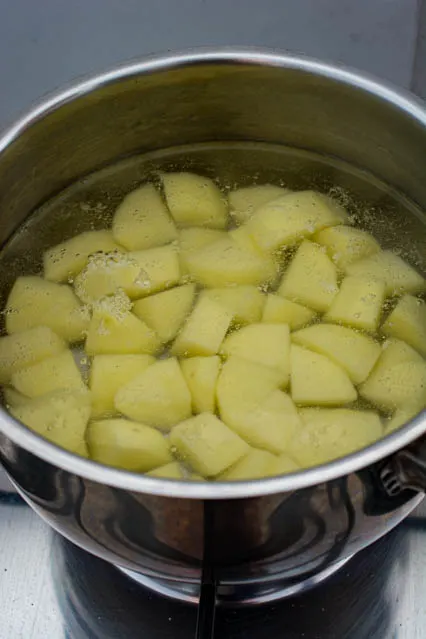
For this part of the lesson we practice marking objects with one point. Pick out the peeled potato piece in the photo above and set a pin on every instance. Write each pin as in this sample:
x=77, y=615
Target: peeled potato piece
x=282, y=311
x=331, y=433
x=61, y=417
x=158, y=397
x=160, y=268
x=399, y=277
x=311, y=278
x=225, y=263
x=207, y=444
x=34, y=301
x=408, y=322
x=285, y=464
x=292, y=217
x=267, y=344
x=128, y=445
x=255, y=465
x=316, y=380
x=354, y=352
x=142, y=220
x=403, y=415
x=59, y=372
x=13, y=398
x=108, y=373
x=346, y=244
x=26, y=348
x=63, y=261
x=194, y=238
x=194, y=200
x=358, y=303
x=173, y=470
x=204, y=330
x=244, y=302
x=244, y=201
x=166, y=312
x=395, y=386
x=201, y=374
x=394, y=351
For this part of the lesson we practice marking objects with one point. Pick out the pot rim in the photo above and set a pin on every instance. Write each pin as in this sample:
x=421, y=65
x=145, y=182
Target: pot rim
x=412, y=106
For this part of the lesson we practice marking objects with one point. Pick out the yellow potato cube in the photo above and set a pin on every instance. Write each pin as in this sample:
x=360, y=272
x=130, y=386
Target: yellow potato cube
x=408, y=322
x=29, y=347
x=346, y=244
x=244, y=201
x=194, y=200
x=108, y=373
x=358, y=303
x=292, y=217
x=160, y=267
x=396, y=386
x=354, y=352
x=204, y=330
x=201, y=374
x=142, y=220
x=12, y=398
x=311, y=278
x=331, y=433
x=255, y=465
x=284, y=465
x=267, y=344
x=399, y=277
x=243, y=383
x=106, y=273
x=166, y=312
x=128, y=445
x=59, y=372
x=60, y=417
x=34, y=301
x=403, y=415
x=194, y=238
x=116, y=331
x=63, y=261
x=244, y=302
x=316, y=380
x=281, y=311
x=225, y=263
x=173, y=470
x=158, y=397
x=207, y=444
x=394, y=351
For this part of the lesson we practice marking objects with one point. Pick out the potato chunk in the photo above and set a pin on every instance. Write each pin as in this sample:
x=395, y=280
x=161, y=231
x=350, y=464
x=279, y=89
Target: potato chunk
x=60, y=417
x=158, y=397
x=225, y=263
x=59, y=372
x=194, y=238
x=12, y=398
x=392, y=387
x=292, y=217
x=285, y=464
x=394, y=351
x=354, y=352
x=173, y=470
x=358, y=303
x=267, y=344
x=282, y=311
x=204, y=330
x=399, y=277
x=346, y=244
x=24, y=349
x=194, y=200
x=403, y=415
x=166, y=312
x=244, y=201
x=408, y=322
x=201, y=374
x=160, y=267
x=142, y=220
x=128, y=445
x=108, y=373
x=34, y=301
x=207, y=444
x=63, y=261
x=255, y=465
x=244, y=302
x=116, y=331
x=316, y=380
x=331, y=433
x=311, y=278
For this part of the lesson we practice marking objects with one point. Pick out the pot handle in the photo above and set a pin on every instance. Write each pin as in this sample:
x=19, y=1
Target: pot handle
x=405, y=470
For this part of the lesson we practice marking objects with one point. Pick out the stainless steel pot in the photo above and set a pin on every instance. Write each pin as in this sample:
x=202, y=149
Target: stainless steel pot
x=288, y=530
